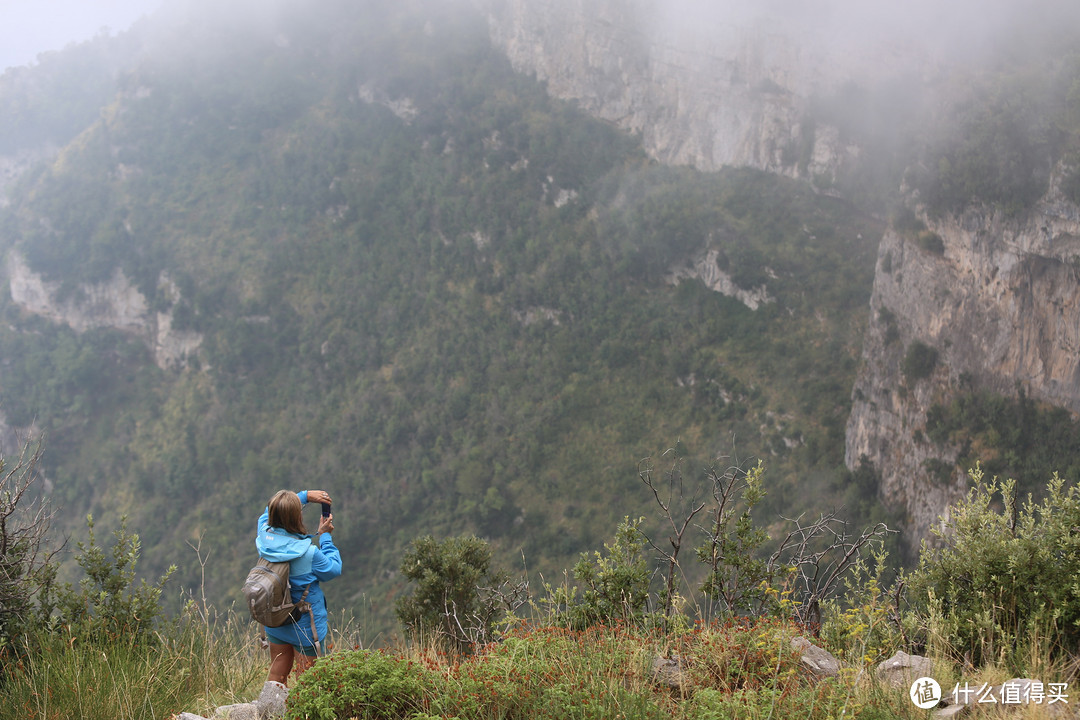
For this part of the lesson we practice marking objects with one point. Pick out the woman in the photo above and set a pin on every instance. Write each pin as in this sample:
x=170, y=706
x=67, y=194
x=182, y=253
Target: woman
x=281, y=536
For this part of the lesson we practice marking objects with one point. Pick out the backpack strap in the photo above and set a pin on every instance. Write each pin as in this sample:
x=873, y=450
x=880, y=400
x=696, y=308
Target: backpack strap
x=304, y=606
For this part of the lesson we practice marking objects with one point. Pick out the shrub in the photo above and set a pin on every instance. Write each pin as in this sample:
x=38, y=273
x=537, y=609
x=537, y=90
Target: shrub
x=919, y=361
x=1005, y=575
x=862, y=626
x=107, y=604
x=453, y=597
x=940, y=470
x=931, y=242
x=738, y=578
x=616, y=584
x=361, y=684
x=24, y=567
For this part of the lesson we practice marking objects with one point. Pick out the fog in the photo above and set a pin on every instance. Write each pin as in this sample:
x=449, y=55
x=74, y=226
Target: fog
x=30, y=28
x=938, y=31
x=954, y=30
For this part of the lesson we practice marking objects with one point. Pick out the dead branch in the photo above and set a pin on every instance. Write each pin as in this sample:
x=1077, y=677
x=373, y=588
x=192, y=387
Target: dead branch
x=818, y=555
x=678, y=527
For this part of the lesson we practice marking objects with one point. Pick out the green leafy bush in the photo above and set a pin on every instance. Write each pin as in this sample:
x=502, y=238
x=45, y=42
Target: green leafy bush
x=107, y=604
x=447, y=600
x=919, y=361
x=360, y=684
x=615, y=584
x=1004, y=578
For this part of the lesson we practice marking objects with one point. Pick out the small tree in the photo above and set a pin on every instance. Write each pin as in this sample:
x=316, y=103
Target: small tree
x=737, y=576
x=456, y=595
x=616, y=583
x=817, y=556
x=107, y=604
x=919, y=361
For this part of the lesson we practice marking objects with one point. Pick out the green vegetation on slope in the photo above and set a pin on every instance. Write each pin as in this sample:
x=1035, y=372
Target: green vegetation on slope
x=1010, y=437
x=454, y=318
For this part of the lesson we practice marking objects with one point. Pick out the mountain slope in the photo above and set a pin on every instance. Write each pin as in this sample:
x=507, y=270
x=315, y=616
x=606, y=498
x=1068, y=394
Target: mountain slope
x=417, y=281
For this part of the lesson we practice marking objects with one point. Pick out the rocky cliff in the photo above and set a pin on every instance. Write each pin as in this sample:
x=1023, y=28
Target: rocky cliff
x=998, y=299
x=707, y=90
x=114, y=304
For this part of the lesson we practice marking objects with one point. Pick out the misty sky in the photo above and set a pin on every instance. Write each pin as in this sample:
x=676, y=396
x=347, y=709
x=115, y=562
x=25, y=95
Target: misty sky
x=29, y=27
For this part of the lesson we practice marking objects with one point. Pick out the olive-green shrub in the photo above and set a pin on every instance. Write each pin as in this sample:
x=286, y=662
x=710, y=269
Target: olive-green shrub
x=1006, y=575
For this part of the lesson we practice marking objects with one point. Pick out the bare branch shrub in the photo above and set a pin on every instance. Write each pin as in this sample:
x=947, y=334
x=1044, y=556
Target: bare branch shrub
x=805, y=567
x=25, y=517
x=494, y=604
x=817, y=556
x=666, y=498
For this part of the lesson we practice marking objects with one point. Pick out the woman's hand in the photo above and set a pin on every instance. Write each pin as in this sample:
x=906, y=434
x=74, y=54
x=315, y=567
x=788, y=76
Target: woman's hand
x=326, y=524
x=318, y=496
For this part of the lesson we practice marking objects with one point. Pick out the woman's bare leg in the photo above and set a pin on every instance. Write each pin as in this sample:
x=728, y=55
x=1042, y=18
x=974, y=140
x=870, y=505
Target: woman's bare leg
x=281, y=662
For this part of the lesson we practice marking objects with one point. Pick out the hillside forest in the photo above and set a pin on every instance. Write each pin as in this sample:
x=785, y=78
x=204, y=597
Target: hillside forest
x=423, y=285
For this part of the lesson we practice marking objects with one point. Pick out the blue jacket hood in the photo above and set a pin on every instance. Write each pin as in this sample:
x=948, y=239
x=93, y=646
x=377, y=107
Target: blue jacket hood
x=277, y=545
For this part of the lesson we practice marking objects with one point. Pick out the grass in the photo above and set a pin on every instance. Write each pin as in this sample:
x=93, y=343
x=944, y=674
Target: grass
x=744, y=669
x=739, y=669
x=197, y=662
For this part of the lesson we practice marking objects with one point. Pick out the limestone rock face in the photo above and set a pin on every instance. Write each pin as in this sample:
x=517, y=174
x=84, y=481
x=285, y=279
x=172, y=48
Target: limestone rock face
x=705, y=268
x=114, y=304
x=1001, y=307
x=706, y=90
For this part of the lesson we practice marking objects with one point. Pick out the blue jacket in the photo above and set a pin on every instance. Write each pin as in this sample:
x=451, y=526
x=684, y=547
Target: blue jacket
x=307, y=565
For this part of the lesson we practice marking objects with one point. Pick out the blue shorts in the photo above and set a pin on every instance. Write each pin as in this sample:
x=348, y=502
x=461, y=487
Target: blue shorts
x=294, y=637
x=306, y=650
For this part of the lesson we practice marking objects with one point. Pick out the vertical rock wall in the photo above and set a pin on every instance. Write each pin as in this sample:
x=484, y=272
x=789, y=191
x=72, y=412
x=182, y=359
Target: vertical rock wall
x=732, y=93
x=1000, y=305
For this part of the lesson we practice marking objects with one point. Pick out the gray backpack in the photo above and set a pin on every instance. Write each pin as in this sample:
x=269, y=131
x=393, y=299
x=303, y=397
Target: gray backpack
x=268, y=595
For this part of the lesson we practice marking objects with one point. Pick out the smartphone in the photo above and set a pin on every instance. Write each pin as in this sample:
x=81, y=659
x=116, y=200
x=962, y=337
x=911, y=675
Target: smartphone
x=325, y=509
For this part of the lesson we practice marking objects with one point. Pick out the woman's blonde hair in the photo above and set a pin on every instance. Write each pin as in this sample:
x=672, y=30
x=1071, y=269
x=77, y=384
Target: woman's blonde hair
x=285, y=512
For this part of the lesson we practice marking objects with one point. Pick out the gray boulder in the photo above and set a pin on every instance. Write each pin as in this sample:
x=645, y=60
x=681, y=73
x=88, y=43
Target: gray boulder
x=902, y=669
x=271, y=702
x=240, y=711
x=819, y=662
x=667, y=672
